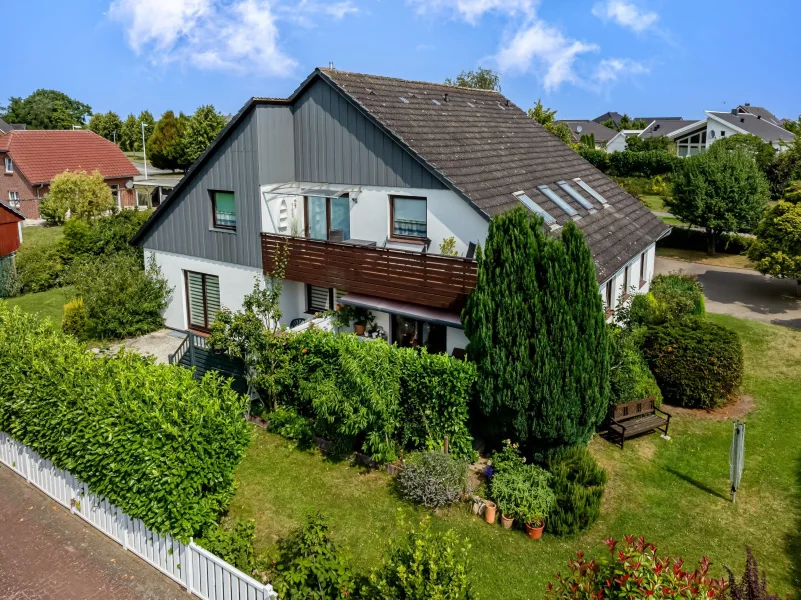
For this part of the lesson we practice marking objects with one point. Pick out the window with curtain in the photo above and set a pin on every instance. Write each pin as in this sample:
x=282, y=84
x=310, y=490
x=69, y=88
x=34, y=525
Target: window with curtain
x=224, y=210
x=408, y=217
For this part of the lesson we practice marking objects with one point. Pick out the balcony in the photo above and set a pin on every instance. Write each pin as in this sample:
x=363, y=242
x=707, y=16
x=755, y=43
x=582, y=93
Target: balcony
x=427, y=279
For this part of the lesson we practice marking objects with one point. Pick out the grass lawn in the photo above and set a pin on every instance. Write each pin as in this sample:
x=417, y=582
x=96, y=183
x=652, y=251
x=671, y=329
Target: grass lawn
x=736, y=261
x=673, y=221
x=675, y=493
x=40, y=235
x=656, y=203
x=48, y=304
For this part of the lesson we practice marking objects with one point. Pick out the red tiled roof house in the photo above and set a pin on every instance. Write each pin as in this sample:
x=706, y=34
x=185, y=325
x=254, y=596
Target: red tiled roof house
x=30, y=159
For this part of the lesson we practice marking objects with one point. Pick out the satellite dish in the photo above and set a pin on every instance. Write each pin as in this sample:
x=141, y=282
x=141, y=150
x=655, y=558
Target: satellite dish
x=579, y=129
x=129, y=184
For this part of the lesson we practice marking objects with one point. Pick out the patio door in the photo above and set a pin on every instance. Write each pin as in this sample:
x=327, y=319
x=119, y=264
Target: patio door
x=203, y=299
x=324, y=215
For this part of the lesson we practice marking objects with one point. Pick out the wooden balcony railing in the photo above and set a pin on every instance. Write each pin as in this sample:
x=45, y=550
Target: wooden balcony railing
x=427, y=279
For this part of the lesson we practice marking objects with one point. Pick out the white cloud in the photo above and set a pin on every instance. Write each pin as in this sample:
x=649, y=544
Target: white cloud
x=472, y=10
x=544, y=49
x=235, y=35
x=609, y=70
x=625, y=14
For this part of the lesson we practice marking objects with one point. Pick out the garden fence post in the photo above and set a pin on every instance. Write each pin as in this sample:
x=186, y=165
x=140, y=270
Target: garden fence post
x=189, y=566
x=124, y=530
x=191, y=349
x=27, y=462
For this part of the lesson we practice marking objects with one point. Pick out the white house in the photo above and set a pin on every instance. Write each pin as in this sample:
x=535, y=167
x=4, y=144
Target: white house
x=361, y=179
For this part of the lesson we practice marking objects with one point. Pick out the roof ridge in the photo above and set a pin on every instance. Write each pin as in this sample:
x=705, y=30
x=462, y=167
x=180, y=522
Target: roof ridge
x=329, y=72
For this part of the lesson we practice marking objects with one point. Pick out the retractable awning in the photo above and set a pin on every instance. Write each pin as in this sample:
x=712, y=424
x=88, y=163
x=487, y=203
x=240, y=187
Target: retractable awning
x=437, y=316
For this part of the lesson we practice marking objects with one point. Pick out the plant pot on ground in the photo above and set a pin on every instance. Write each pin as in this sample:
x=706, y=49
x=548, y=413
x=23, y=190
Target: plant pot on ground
x=489, y=512
x=534, y=530
x=507, y=521
x=362, y=319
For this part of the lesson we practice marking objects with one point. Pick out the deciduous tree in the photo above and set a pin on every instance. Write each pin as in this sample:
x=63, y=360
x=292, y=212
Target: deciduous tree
x=201, y=130
x=777, y=249
x=107, y=125
x=481, y=78
x=47, y=109
x=547, y=118
x=165, y=147
x=129, y=134
x=85, y=196
x=719, y=191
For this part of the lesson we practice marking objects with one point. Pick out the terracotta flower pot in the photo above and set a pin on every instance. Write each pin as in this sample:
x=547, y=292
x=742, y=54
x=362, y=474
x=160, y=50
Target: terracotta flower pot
x=489, y=512
x=535, y=533
x=359, y=329
x=507, y=522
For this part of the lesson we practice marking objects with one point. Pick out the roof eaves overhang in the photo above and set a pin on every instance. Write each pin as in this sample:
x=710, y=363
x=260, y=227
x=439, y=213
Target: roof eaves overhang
x=685, y=129
x=713, y=116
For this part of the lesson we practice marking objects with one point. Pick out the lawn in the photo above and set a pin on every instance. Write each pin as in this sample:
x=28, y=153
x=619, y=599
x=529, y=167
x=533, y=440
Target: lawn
x=675, y=493
x=736, y=261
x=48, y=304
x=40, y=235
x=656, y=203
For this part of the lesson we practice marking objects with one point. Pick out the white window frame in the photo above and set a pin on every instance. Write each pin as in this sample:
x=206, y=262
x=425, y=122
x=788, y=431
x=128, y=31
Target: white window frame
x=13, y=199
x=9, y=165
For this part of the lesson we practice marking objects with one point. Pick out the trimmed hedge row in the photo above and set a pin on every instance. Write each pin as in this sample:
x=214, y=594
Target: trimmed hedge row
x=695, y=239
x=157, y=443
x=631, y=164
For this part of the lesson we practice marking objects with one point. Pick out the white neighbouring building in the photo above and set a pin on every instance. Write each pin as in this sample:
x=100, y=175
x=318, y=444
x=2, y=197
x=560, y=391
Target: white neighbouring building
x=362, y=178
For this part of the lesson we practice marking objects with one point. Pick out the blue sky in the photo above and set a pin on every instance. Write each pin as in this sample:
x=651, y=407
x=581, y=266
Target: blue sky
x=583, y=57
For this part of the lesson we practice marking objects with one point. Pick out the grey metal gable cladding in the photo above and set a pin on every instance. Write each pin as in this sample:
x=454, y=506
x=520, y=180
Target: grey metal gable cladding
x=257, y=151
x=336, y=143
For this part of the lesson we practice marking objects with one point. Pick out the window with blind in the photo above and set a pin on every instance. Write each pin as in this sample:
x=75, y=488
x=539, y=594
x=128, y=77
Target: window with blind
x=408, y=217
x=223, y=208
x=203, y=298
x=318, y=299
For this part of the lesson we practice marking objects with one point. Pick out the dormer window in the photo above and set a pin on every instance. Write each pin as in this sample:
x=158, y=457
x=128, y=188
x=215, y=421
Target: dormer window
x=9, y=165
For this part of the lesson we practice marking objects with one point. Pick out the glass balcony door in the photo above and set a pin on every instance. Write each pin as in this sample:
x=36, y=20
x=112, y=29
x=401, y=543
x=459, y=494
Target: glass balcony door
x=324, y=215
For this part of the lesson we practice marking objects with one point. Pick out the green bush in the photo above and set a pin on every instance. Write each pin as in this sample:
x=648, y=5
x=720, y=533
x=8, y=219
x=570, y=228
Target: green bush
x=697, y=364
x=311, y=566
x=286, y=422
x=642, y=164
x=39, y=268
x=695, y=239
x=122, y=299
x=153, y=440
x=104, y=236
x=672, y=296
x=53, y=209
x=232, y=542
x=74, y=319
x=432, y=478
x=578, y=484
x=508, y=458
x=630, y=377
x=597, y=158
x=523, y=493
x=9, y=281
x=423, y=565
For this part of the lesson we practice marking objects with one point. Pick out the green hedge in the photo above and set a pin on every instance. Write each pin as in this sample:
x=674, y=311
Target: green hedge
x=631, y=164
x=695, y=239
x=697, y=364
x=630, y=377
x=375, y=397
x=157, y=443
x=578, y=483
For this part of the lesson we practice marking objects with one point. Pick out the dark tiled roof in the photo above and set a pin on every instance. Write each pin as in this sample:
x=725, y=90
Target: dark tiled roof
x=602, y=134
x=759, y=111
x=615, y=116
x=6, y=127
x=754, y=125
x=486, y=148
x=660, y=127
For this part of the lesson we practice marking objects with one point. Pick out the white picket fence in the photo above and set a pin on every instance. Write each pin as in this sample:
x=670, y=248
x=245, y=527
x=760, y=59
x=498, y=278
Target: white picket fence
x=199, y=571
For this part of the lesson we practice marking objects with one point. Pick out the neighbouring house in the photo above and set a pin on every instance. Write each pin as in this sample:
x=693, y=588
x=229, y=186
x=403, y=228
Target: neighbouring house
x=6, y=127
x=616, y=118
x=699, y=135
x=659, y=127
x=362, y=178
x=31, y=158
x=584, y=127
x=619, y=140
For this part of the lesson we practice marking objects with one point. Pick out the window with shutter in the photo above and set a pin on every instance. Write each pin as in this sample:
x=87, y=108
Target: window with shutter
x=203, y=298
x=318, y=299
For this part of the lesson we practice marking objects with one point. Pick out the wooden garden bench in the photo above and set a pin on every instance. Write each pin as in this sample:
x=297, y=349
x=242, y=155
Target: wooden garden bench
x=635, y=418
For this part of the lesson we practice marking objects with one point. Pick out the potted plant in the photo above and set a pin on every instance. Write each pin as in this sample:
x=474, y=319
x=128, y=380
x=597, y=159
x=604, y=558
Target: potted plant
x=536, y=501
x=362, y=318
x=503, y=493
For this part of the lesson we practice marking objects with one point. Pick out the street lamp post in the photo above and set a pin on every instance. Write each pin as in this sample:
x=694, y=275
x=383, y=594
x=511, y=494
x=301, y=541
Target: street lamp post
x=144, y=148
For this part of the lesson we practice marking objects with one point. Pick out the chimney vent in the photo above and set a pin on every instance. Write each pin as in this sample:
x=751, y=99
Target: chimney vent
x=446, y=97
x=331, y=65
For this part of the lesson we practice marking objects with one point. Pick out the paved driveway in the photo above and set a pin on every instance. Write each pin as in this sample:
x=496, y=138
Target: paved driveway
x=47, y=553
x=743, y=293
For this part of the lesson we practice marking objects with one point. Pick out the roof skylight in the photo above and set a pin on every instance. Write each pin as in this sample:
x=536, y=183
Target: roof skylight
x=535, y=208
x=435, y=101
x=583, y=185
x=575, y=195
x=553, y=197
x=404, y=100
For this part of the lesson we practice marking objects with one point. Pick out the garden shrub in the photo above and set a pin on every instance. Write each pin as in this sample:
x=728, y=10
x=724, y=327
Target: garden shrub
x=39, y=269
x=642, y=164
x=751, y=586
x=9, y=282
x=523, y=493
x=232, y=542
x=122, y=299
x=578, y=484
x=74, y=320
x=697, y=364
x=695, y=239
x=508, y=458
x=633, y=570
x=630, y=377
x=597, y=158
x=157, y=443
x=432, y=478
x=311, y=566
x=681, y=293
x=103, y=236
x=286, y=422
x=53, y=209
x=423, y=565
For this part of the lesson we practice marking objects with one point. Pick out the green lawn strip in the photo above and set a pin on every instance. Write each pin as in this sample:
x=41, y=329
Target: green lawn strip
x=40, y=235
x=48, y=304
x=673, y=221
x=674, y=493
x=656, y=203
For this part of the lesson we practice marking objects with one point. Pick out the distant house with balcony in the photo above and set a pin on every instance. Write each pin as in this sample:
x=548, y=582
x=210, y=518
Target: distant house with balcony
x=363, y=178
x=30, y=159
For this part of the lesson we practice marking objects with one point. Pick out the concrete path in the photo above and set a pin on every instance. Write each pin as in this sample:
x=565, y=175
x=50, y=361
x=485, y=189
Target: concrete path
x=742, y=292
x=160, y=344
x=47, y=553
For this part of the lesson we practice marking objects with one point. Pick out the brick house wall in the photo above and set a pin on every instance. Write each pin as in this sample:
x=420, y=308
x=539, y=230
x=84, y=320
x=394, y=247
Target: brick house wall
x=29, y=195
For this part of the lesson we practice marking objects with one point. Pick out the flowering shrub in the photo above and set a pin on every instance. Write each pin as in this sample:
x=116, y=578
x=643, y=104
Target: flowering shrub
x=633, y=570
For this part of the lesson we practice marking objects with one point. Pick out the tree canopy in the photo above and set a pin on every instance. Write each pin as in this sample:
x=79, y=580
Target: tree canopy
x=635, y=143
x=626, y=122
x=777, y=249
x=537, y=334
x=107, y=125
x=84, y=196
x=47, y=109
x=201, y=130
x=166, y=145
x=720, y=191
x=481, y=78
x=547, y=118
